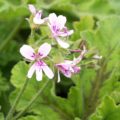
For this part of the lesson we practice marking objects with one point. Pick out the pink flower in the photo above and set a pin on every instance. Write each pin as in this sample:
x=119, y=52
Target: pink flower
x=58, y=29
x=39, y=65
x=68, y=68
x=80, y=57
x=37, y=15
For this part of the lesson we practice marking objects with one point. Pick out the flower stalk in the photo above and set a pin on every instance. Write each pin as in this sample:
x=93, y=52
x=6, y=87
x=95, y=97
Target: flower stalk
x=12, y=110
x=32, y=101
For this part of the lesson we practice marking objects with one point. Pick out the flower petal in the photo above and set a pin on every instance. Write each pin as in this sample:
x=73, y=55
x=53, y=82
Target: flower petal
x=61, y=21
x=32, y=8
x=76, y=69
x=44, y=49
x=52, y=19
x=62, y=43
x=68, y=74
x=64, y=69
x=64, y=34
x=38, y=73
x=68, y=62
x=31, y=71
x=48, y=71
x=27, y=52
x=49, y=25
x=58, y=77
x=37, y=19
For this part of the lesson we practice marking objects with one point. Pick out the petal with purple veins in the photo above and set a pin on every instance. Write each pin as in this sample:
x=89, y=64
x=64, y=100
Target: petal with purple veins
x=32, y=8
x=64, y=69
x=52, y=19
x=44, y=50
x=61, y=20
x=31, y=71
x=76, y=69
x=65, y=34
x=68, y=74
x=37, y=19
x=48, y=71
x=38, y=73
x=27, y=52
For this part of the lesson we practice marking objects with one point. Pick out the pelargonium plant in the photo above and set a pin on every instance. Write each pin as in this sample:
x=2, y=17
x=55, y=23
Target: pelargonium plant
x=58, y=30
x=41, y=59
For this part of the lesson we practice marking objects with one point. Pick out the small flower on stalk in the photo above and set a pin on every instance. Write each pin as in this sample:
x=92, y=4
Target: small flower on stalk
x=58, y=28
x=67, y=68
x=37, y=15
x=80, y=57
x=39, y=65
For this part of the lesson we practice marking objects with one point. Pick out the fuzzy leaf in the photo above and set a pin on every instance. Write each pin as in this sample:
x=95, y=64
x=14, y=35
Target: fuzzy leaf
x=107, y=110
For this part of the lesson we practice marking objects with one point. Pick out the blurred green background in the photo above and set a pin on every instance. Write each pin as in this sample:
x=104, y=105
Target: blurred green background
x=91, y=95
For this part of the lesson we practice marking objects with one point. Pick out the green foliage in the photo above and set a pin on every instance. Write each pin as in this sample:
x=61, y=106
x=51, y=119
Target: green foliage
x=1, y=116
x=94, y=93
x=4, y=86
x=40, y=109
x=85, y=23
x=63, y=107
x=107, y=110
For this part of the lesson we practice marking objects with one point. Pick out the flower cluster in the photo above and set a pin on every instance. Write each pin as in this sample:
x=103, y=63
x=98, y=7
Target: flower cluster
x=56, y=25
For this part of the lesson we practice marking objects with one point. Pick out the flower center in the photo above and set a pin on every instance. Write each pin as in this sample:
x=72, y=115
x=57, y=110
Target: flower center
x=40, y=63
x=37, y=56
x=56, y=29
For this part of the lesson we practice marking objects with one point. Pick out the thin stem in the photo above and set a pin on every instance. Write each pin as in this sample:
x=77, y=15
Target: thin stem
x=31, y=102
x=93, y=98
x=43, y=38
x=10, y=113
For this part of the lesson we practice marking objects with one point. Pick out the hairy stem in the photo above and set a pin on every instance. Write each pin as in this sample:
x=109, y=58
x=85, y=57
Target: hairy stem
x=101, y=76
x=31, y=102
x=10, y=113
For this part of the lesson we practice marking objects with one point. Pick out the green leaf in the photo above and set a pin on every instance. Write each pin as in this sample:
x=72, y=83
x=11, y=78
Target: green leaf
x=102, y=38
x=1, y=116
x=107, y=110
x=42, y=112
x=115, y=4
x=106, y=39
x=99, y=8
x=4, y=85
x=75, y=98
x=8, y=45
x=111, y=86
x=12, y=10
x=84, y=80
x=8, y=51
x=19, y=74
x=85, y=23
